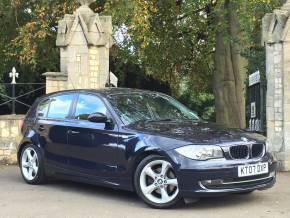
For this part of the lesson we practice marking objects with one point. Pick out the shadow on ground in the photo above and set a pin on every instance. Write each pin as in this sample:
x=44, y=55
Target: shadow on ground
x=131, y=197
x=70, y=199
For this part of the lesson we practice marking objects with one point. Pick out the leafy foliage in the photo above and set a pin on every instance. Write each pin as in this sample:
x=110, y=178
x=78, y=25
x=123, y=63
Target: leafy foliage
x=169, y=29
x=168, y=44
x=251, y=20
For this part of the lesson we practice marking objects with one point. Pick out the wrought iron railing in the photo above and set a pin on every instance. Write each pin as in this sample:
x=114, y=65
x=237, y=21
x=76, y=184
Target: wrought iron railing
x=16, y=98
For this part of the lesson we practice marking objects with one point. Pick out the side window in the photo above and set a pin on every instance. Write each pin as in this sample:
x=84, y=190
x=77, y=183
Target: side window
x=60, y=106
x=89, y=104
x=43, y=108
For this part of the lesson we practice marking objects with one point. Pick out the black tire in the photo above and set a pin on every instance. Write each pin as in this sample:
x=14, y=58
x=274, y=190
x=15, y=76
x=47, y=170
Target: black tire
x=40, y=175
x=175, y=202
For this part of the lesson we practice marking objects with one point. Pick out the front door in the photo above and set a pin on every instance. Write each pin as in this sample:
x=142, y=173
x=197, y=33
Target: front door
x=92, y=146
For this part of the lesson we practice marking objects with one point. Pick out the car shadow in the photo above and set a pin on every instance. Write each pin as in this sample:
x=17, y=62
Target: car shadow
x=93, y=190
x=127, y=197
x=226, y=201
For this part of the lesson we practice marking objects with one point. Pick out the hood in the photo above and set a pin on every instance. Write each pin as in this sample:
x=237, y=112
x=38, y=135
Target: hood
x=195, y=132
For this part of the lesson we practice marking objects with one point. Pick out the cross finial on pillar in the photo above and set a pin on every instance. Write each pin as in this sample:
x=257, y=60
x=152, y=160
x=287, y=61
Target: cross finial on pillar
x=13, y=75
x=86, y=2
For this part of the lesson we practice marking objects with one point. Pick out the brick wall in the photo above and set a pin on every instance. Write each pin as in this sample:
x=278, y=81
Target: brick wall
x=9, y=137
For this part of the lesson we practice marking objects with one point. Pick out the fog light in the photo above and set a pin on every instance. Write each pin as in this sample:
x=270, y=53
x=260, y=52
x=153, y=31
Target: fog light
x=206, y=182
x=212, y=182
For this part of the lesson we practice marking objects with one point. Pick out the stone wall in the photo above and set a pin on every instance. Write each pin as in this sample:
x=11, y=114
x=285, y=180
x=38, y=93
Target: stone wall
x=274, y=99
x=55, y=81
x=10, y=127
x=276, y=39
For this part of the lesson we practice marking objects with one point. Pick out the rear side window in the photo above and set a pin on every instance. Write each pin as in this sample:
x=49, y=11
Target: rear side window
x=43, y=108
x=59, y=106
x=89, y=104
x=31, y=113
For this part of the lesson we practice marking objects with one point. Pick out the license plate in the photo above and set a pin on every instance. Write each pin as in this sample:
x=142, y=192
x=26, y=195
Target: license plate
x=253, y=169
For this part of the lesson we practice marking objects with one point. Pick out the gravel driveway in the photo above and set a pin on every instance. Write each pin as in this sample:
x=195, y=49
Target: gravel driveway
x=67, y=199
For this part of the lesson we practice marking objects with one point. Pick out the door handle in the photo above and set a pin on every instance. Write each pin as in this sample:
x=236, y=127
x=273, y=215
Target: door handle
x=72, y=132
x=41, y=128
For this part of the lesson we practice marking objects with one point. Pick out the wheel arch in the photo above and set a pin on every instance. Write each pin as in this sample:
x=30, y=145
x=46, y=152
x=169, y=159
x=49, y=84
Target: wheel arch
x=20, y=149
x=34, y=140
x=136, y=161
x=152, y=156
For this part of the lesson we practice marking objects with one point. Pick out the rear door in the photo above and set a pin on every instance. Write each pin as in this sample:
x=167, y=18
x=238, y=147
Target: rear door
x=92, y=146
x=52, y=115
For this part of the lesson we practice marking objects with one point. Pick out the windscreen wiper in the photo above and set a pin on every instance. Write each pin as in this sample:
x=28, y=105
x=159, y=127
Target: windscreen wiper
x=159, y=120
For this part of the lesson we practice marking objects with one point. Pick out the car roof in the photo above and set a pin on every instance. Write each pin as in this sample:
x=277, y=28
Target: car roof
x=104, y=92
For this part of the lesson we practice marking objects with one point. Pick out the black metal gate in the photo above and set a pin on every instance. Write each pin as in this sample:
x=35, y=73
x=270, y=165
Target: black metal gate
x=256, y=104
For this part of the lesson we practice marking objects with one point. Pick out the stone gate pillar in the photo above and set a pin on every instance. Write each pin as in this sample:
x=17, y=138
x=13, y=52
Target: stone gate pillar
x=84, y=39
x=276, y=39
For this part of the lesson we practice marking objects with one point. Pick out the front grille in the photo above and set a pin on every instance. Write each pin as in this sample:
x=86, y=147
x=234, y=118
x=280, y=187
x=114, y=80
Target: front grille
x=239, y=152
x=257, y=150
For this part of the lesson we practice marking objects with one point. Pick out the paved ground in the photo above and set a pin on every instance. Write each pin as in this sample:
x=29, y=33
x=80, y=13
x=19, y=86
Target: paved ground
x=67, y=199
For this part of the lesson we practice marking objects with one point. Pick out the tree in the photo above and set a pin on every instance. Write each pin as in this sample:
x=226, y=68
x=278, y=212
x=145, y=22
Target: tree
x=233, y=42
x=29, y=34
x=170, y=41
x=192, y=47
x=148, y=28
x=230, y=68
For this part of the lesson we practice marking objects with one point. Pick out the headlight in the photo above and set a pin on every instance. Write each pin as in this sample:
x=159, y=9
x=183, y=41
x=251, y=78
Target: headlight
x=201, y=152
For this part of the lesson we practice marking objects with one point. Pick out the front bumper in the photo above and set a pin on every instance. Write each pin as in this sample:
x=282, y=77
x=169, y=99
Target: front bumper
x=219, y=177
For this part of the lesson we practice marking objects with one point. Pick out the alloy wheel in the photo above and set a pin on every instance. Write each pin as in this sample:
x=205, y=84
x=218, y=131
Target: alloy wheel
x=158, y=182
x=29, y=164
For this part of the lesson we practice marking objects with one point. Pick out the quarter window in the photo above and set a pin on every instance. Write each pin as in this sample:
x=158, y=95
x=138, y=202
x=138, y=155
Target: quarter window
x=43, y=108
x=60, y=106
x=89, y=104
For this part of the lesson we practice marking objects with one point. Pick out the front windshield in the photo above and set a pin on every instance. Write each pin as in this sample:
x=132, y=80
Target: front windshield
x=151, y=107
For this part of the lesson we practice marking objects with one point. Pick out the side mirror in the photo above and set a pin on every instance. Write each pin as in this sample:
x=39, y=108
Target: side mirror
x=98, y=118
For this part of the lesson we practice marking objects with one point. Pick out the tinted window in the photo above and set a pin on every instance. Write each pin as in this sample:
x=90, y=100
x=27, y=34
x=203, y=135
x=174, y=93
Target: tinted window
x=89, y=104
x=43, y=108
x=60, y=106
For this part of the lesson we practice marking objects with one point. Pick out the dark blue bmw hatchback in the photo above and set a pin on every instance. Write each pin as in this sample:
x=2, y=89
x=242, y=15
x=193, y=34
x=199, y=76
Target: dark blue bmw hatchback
x=140, y=141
